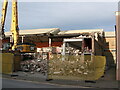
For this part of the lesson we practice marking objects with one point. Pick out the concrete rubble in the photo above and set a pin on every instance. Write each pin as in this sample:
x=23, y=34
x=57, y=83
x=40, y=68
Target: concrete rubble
x=34, y=66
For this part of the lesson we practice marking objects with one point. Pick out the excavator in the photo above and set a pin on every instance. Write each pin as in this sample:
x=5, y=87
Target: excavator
x=12, y=51
x=15, y=45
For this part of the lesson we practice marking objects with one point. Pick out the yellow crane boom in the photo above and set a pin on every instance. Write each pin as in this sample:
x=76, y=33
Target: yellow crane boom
x=14, y=28
x=3, y=17
x=14, y=24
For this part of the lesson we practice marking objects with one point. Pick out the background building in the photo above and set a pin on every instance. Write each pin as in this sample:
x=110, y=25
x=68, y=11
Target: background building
x=110, y=50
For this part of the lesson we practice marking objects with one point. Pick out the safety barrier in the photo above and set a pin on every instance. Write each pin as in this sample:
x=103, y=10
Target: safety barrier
x=6, y=63
x=71, y=67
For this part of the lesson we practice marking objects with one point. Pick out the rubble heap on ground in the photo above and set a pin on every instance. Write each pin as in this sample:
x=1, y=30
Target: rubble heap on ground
x=34, y=66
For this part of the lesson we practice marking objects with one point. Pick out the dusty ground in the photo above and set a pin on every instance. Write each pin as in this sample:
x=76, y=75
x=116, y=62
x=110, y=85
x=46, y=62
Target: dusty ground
x=110, y=74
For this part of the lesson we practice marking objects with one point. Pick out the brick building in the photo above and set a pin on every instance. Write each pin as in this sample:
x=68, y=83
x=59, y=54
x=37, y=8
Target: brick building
x=110, y=50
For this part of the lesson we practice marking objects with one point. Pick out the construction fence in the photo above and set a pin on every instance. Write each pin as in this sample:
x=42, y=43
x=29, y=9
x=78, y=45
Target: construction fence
x=71, y=67
x=9, y=63
x=57, y=66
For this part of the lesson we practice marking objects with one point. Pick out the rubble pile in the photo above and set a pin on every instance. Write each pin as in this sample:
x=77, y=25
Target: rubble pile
x=73, y=51
x=56, y=50
x=34, y=66
x=87, y=50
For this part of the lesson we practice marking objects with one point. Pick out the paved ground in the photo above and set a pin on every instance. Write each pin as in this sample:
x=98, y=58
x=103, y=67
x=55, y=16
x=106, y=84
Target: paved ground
x=11, y=83
x=108, y=81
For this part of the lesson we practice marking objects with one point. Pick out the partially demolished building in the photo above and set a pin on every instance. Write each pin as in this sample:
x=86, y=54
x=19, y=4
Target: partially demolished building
x=85, y=42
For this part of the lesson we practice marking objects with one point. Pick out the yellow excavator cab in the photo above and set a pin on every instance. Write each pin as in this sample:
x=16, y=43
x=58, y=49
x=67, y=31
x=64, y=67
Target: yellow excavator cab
x=26, y=48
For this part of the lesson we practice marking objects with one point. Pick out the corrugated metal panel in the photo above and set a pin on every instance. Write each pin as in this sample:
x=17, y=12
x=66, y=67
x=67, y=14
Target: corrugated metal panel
x=36, y=31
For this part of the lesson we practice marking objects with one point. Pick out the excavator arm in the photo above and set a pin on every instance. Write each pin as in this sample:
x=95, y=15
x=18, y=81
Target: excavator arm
x=3, y=17
x=14, y=24
x=14, y=28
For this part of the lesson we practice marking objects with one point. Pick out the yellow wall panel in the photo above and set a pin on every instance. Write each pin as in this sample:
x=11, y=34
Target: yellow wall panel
x=7, y=63
x=77, y=67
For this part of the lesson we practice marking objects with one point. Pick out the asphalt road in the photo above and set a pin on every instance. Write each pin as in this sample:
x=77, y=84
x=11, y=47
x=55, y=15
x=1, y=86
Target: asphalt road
x=11, y=83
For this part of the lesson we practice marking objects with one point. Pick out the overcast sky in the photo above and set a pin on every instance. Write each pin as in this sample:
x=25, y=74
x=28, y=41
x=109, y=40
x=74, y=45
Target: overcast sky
x=65, y=15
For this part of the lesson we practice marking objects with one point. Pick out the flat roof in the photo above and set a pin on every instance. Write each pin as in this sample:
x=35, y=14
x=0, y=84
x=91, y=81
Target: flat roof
x=36, y=31
x=56, y=31
x=81, y=31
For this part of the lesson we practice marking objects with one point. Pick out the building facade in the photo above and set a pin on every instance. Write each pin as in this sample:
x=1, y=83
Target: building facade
x=110, y=50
